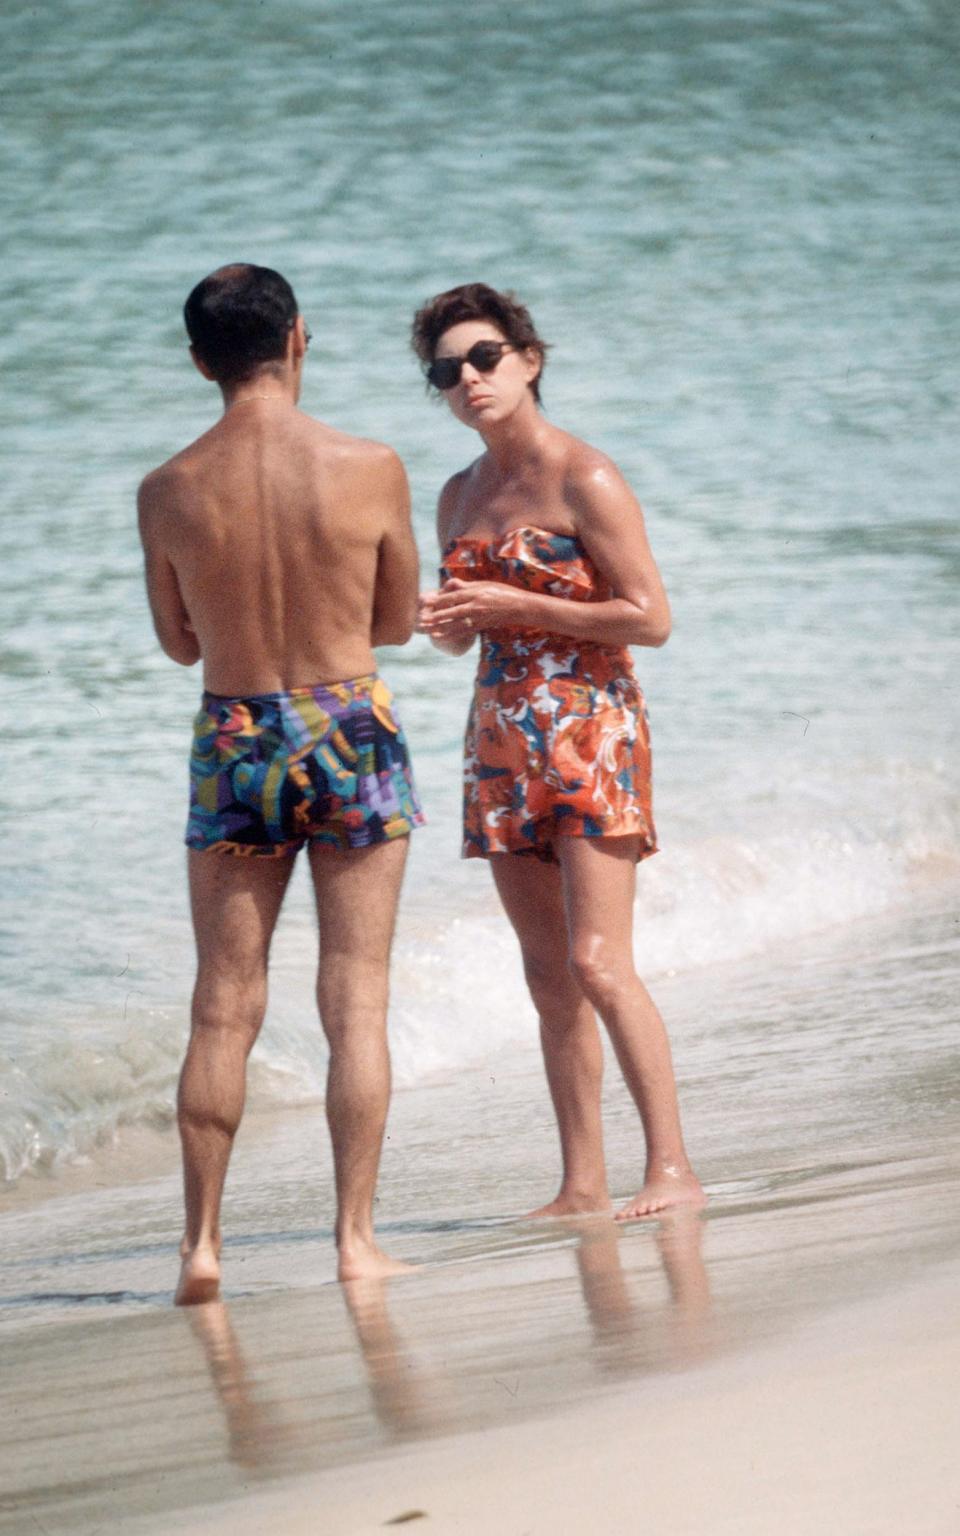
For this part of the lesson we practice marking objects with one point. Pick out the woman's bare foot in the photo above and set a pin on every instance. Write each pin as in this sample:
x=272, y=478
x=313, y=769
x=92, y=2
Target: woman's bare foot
x=663, y=1189
x=199, y=1276
x=570, y=1204
x=365, y=1261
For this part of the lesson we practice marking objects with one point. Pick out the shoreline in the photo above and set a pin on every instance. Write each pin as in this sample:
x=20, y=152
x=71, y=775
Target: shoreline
x=133, y=1155
x=851, y=1425
x=804, y=1302
x=783, y=1325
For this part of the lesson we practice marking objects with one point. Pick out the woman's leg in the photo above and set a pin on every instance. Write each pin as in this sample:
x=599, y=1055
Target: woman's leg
x=599, y=880
x=532, y=896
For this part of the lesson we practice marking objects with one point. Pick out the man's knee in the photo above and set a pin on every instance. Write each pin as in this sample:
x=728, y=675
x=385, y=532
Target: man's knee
x=352, y=996
x=233, y=1010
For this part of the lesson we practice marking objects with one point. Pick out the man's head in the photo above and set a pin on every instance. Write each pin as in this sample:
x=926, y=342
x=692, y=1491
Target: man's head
x=239, y=321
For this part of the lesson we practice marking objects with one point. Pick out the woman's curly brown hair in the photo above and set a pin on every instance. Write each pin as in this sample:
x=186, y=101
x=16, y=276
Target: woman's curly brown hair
x=477, y=301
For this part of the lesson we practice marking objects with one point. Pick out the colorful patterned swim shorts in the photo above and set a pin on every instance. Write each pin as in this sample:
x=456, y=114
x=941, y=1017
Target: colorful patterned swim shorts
x=325, y=765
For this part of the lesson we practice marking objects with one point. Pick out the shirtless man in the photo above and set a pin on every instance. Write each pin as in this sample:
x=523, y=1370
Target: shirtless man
x=280, y=552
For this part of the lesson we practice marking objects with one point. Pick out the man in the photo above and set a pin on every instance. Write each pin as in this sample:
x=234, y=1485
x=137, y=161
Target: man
x=280, y=552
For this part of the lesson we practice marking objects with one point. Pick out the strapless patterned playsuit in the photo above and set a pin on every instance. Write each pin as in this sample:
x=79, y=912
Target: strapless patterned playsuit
x=557, y=743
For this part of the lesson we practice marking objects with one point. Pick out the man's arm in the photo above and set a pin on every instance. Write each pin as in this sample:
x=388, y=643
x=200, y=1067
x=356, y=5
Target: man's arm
x=170, y=618
x=398, y=565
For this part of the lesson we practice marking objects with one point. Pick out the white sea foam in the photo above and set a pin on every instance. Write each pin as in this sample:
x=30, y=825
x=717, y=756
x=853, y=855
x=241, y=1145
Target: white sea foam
x=710, y=902
x=458, y=989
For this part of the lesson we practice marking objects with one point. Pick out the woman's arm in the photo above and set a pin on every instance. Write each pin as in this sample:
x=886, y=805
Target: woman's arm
x=609, y=522
x=450, y=633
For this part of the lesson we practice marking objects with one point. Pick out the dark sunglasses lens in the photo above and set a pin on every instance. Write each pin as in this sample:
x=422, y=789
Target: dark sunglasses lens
x=485, y=355
x=444, y=373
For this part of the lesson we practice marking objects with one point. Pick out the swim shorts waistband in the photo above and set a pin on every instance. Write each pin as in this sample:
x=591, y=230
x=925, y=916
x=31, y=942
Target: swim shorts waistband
x=365, y=683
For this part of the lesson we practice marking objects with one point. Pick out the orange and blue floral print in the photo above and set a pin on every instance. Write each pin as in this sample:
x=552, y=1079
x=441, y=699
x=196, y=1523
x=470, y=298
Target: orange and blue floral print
x=557, y=740
x=327, y=764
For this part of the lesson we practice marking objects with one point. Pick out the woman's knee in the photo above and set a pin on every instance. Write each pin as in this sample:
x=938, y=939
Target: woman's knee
x=602, y=973
x=554, y=991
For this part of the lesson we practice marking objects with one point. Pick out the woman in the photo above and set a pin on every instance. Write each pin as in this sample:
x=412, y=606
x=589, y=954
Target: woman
x=545, y=557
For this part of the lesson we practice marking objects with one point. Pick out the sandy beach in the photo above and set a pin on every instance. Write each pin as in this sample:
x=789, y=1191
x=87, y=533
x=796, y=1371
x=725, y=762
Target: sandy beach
x=850, y=1428
x=787, y=1362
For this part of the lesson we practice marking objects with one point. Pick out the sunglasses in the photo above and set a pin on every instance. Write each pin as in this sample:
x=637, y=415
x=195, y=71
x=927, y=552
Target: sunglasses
x=484, y=356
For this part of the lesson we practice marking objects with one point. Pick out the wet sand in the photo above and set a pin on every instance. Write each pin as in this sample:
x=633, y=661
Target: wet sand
x=851, y=1427
x=789, y=1356
x=785, y=1363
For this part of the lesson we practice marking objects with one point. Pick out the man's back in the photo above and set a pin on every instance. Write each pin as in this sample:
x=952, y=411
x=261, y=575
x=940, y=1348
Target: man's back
x=280, y=552
x=290, y=545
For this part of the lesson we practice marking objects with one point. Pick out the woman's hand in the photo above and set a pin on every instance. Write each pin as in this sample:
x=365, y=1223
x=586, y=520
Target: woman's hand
x=463, y=607
x=450, y=634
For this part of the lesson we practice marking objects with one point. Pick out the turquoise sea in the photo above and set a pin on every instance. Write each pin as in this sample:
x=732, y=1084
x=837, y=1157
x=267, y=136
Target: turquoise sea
x=736, y=224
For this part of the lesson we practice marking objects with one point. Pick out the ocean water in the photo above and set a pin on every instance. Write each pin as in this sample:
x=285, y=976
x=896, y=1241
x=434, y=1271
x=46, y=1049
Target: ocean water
x=736, y=226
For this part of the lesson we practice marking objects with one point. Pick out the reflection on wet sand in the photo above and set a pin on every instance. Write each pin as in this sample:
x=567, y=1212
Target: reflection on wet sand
x=625, y=1332
x=411, y=1400
x=268, y=1433
x=257, y=1434
x=403, y=1400
x=680, y=1241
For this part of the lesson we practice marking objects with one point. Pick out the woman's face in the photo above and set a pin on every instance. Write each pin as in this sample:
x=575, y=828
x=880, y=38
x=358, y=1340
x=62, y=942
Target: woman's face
x=479, y=398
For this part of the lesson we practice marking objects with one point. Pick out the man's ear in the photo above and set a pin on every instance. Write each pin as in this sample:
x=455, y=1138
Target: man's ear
x=201, y=366
x=297, y=341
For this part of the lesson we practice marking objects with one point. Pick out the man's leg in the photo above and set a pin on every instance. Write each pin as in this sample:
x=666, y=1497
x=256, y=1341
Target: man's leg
x=235, y=903
x=357, y=892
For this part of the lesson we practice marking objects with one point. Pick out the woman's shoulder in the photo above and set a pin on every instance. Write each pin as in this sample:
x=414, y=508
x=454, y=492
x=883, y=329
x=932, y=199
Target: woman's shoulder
x=451, y=498
x=455, y=484
x=587, y=471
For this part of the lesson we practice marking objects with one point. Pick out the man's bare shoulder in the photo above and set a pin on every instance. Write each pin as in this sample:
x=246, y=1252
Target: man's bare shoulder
x=361, y=451
x=164, y=489
x=374, y=468
x=170, y=480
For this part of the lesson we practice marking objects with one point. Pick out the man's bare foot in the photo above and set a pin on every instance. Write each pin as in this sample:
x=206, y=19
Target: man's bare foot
x=199, y=1278
x=573, y=1205
x=365, y=1261
x=215, y=1242
x=667, y=1188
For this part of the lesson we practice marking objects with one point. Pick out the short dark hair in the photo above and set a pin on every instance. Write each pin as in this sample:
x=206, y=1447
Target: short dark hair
x=477, y=301
x=238, y=320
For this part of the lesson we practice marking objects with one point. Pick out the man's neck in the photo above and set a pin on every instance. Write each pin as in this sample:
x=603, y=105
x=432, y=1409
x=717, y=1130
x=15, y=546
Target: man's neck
x=270, y=388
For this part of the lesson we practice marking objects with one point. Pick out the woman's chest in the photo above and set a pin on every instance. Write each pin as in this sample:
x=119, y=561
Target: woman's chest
x=491, y=507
